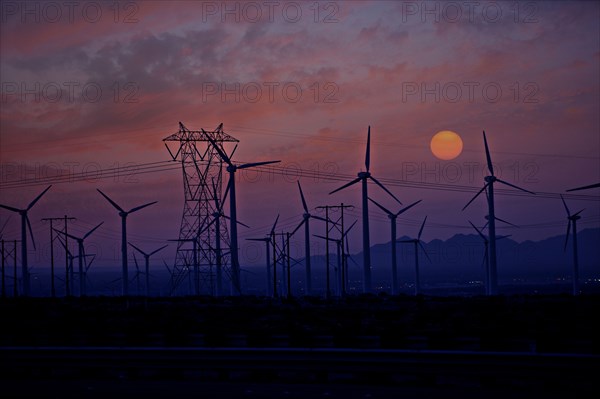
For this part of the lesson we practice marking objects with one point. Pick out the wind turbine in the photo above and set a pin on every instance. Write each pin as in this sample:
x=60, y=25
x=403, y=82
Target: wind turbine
x=393, y=216
x=267, y=240
x=123, y=214
x=232, y=168
x=147, y=259
x=25, y=224
x=81, y=256
x=363, y=177
x=306, y=222
x=585, y=187
x=573, y=222
x=417, y=243
x=486, y=256
x=489, y=185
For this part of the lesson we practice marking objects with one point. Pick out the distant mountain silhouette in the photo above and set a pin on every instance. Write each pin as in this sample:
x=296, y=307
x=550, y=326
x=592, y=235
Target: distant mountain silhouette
x=460, y=259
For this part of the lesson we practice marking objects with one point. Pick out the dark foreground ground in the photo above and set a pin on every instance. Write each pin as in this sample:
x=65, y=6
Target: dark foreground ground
x=359, y=347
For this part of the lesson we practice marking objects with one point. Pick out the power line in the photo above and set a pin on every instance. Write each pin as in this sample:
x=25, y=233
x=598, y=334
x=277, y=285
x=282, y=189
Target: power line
x=163, y=166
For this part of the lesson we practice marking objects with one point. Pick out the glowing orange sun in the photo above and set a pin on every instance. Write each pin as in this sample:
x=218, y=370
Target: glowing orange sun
x=446, y=145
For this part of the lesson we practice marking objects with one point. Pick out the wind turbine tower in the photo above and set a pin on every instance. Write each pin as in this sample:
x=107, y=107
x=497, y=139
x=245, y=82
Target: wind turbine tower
x=363, y=177
x=417, y=243
x=81, y=250
x=147, y=263
x=123, y=214
x=232, y=169
x=393, y=217
x=573, y=222
x=25, y=224
x=489, y=186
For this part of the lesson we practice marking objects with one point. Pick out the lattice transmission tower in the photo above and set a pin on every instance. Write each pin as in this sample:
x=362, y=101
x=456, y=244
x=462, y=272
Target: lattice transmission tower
x=200, y=266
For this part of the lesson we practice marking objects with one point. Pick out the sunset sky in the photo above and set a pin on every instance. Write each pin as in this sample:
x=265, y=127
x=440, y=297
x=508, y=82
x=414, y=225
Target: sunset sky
x=301, y=84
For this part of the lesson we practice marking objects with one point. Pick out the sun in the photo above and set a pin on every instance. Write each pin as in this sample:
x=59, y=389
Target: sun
x=446, y=145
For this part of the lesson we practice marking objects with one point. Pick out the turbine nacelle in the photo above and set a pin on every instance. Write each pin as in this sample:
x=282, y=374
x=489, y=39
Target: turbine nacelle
x=490, y=179
x=364, y=175
x=232, y=168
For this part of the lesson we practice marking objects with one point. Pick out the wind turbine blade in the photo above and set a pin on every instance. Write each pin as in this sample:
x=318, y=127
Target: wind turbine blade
x=297, y=227
x=38, y=198
x=67, y=234
x=167, y=266
x=565, y=204
x=501, y=237
x=225, y=195
x=302, y=196
x=401, y=211
x=385, y=189
x=512, y=185
x=475, y=196
x=325, y=238
x=425, y=252
x=380, y=206
x=243, y=224
x=487, y=155
x=485, y=255
x=10, y=208
x=137, y=208
x=368, y=154
x=84, y=259
x=320, y=218
x=349, y=228
x=4, y=226
x=577, y=214
x=585, y=187
x=88, y=265
x=222, y=154
x=504, y=221
x=478, y=232
x=158, y=250
x=421, y=229
x=258, y=239
x=233, y=151
x=30, y=231
x=567, y=236
x=139, y=250
x=92, y=230
x=274, y=225
x=113, y=203
x=346, y=185
x=253, y=164
x=136, y=264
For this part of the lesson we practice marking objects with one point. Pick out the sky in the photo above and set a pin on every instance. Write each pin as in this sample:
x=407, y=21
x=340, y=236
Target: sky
x=97, y=85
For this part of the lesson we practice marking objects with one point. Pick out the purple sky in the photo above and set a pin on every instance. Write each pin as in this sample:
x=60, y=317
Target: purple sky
x=528, y=73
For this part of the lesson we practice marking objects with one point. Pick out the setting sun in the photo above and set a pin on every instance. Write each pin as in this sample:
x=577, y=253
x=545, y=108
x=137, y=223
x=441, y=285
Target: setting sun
x=446, y=145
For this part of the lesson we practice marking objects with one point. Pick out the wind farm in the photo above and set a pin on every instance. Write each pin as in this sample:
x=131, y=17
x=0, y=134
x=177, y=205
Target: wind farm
x=299, y=199
x=209, y=258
